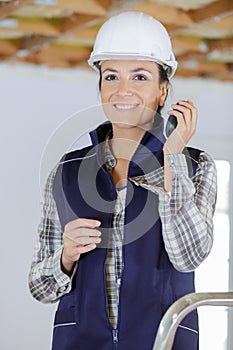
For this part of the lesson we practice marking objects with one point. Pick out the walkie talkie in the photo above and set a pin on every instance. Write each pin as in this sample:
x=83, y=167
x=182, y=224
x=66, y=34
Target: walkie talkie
x=171, y=125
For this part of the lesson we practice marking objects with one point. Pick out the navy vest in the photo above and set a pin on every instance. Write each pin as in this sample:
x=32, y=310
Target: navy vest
x=150, y=284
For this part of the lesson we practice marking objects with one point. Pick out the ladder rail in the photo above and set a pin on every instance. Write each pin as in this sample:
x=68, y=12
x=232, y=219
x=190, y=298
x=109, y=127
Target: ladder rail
x=177, y=311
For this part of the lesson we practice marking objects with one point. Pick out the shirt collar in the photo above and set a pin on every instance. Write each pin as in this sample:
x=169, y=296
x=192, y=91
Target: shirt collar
x=153, y=181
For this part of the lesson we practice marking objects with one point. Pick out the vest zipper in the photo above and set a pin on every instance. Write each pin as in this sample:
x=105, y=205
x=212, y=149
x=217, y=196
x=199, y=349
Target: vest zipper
x=114, y=330
x=115, y=338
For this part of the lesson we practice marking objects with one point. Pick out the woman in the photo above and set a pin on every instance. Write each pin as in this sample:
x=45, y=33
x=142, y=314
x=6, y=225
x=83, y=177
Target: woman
x=128, y=219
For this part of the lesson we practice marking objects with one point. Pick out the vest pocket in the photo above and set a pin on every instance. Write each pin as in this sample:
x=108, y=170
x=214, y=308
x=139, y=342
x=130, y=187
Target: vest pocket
x=65, y=317
x=64, y=330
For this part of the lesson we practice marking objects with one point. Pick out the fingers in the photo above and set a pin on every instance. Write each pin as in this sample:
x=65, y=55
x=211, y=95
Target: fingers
x=185, y=111
x=186, y=114
x=74, y=224
x=183, y=106
x=82, y=231
x=80, y=236
x=83, y=240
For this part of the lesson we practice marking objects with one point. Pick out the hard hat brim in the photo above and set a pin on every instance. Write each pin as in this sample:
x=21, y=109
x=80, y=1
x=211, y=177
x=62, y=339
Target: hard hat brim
x=94, y=59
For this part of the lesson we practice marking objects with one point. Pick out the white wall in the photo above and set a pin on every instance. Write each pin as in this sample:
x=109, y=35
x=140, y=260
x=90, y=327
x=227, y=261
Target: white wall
x=34, y=102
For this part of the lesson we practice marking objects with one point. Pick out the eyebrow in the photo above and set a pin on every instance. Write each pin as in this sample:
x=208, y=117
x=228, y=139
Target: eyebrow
x=140, y=69
x=110, y=70
x=136, y=70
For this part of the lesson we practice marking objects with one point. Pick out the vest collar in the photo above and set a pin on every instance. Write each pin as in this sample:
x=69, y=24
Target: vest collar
x=153, y=139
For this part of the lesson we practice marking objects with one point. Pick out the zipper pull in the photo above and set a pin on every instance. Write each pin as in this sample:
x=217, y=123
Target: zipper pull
x=115, y=336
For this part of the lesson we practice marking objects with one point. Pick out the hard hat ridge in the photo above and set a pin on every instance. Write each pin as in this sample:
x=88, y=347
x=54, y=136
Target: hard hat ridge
x=133, y=35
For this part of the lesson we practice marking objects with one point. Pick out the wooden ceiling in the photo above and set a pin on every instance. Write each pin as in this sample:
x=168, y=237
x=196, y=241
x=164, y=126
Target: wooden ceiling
x=60, y=33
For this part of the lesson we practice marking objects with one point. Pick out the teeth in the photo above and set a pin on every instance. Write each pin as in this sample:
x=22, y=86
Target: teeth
x=124, y=106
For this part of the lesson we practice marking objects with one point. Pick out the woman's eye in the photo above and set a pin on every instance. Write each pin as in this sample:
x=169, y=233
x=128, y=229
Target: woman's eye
x=110, y=77
x=140, y=77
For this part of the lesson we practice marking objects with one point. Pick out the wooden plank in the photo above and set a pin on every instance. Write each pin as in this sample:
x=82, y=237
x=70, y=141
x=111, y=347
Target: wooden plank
x=172, y=28
x=6, y=8
x=224, y=77
x=63, y=53
x=212, y=67
x=76, y=21
x=188, y=73
x=89, y=33
x=168, y=15
x=221, y=23
x=45, y=33
x=189, y=44
x=40, y=26
x=51, y=26
x=221, y=44
x=56, y=56
x=31, y=42
x=213, y=9
x=40, y=11
x=105, y=3
x=204, y=66
x=51, y=62
x=190, y=56
x=89, y=7
x=8, y=47
x=10, y=34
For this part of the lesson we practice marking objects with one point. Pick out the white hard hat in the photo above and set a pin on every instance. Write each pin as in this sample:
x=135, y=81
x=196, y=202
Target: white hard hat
x=133, y=35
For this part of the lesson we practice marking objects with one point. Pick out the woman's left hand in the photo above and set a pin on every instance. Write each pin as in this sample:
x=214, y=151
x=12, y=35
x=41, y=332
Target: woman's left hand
x=186, y=114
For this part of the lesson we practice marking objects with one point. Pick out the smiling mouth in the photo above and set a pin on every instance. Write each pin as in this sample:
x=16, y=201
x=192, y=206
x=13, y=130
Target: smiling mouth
x=125, y=106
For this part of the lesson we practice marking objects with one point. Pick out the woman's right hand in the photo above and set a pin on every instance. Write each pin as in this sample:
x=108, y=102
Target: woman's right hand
x=80, y=236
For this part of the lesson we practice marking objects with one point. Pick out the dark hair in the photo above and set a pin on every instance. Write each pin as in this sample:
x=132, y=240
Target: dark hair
x=163, y=77
x=163, y=73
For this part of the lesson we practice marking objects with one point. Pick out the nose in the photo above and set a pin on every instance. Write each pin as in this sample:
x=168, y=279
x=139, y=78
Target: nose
x=124, y=88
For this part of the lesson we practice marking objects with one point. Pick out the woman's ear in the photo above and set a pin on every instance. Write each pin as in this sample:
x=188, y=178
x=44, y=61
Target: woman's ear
x=163, y=93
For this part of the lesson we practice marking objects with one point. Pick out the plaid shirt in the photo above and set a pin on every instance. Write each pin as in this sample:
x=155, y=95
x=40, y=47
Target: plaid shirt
x=186, y=214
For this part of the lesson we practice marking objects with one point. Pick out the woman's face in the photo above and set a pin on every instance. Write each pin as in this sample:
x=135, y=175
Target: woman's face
x=131, y=92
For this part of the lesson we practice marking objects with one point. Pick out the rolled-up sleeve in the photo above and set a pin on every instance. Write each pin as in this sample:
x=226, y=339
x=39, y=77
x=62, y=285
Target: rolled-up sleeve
x=187, y=211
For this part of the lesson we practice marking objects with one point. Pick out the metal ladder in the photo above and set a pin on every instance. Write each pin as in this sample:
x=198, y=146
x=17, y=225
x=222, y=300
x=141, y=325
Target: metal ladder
x=177, y=311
